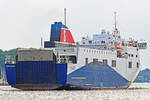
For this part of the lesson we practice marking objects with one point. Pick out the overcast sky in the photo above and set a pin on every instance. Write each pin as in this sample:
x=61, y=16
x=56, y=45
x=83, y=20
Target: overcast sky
x=24, y=22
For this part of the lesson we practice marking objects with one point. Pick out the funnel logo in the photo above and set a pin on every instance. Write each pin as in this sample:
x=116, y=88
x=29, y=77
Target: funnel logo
x=66, y=36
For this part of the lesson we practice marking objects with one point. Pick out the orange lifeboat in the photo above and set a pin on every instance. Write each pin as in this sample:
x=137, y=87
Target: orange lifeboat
x=119, y=47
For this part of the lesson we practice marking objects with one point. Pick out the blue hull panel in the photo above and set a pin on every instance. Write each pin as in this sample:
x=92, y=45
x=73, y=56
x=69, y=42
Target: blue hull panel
x=91, y=76
x=11, y=73
x=94, y=76
x=36, y=75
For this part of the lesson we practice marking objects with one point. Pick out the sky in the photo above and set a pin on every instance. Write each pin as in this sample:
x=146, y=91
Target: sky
x=24, y=22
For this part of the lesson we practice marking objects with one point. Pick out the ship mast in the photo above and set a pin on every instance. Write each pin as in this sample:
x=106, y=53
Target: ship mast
x=41, y=42
x=116, y=31
x=65, y=24
x=65, y=16
x=115, y=18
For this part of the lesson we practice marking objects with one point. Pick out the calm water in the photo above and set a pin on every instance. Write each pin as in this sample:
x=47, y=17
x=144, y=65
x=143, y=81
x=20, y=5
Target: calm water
x=135, y=92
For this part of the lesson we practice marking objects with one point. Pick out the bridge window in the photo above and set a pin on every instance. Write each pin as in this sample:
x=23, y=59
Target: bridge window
x=130, y=65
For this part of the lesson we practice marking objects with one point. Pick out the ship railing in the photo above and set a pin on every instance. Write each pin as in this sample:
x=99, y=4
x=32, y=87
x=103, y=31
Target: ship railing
x=66, y=49
x=62, y=44
x=101, y=47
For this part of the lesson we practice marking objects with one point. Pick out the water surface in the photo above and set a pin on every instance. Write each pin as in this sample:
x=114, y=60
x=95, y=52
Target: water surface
x=137, y=91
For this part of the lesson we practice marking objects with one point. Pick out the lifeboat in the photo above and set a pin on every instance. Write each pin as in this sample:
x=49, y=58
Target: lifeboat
x=119, y=47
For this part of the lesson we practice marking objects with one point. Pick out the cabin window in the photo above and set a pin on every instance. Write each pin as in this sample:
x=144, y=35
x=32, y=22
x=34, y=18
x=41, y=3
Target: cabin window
x=86, y=61
x=130, y=65
x=137, y=65
x=104, y=62
x=113, y=63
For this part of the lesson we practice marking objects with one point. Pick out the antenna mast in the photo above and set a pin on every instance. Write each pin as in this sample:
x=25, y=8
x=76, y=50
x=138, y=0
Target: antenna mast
x=115, y=13
x=41, y=42
x=65, y=16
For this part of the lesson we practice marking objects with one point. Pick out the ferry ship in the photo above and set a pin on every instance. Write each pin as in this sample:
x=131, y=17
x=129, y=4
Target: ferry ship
x=107, y=61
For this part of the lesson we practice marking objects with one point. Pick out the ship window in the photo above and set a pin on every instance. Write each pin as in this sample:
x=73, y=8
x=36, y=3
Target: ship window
x=136, y=56
x=86, y=61
x=62, y=59
x=72, y=59
x=137, y=65
x=104, y=62
x=131, y=55
x=90, y=42
x=119, y=54
x=130, y=65
x=113, y=63
x=95, y=60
